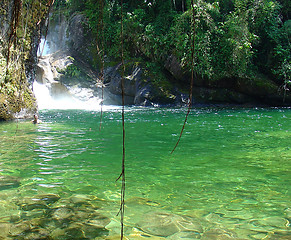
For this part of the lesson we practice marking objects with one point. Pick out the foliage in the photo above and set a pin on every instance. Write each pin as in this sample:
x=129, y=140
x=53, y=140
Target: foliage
x=233, y=39
x=17, y=40
x=73, y=71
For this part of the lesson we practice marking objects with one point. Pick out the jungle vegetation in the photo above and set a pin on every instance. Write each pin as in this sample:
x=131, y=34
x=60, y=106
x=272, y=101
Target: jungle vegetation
x=233, y=39
x=21, y=22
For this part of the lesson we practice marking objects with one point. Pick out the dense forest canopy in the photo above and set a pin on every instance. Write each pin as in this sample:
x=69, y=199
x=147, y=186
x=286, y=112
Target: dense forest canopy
x=233, y=39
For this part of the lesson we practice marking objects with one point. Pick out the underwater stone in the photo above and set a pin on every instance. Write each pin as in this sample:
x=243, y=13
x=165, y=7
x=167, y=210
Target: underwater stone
x=75, y=231
x=115, y=237
x=217, y=234
x=31, y=203
x=278, y=222
x=141, y=201
x=288, y=212
x=7, y=181
x=99, y=221
x=239, y=214
x=80, y=214
x=166, y=224
x=93, y=231
x=63, y=202
x=185, y=236
x=48, y=198
x=259, y=236
x=58, y=234
x=37, y=234
x=34, y=213
x=62, y=213
x=4, y=229
x=137, y=234
x=19, y=228
x=80, y=198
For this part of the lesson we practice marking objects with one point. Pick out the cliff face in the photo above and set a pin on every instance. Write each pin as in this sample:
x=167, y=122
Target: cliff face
x=19, y=34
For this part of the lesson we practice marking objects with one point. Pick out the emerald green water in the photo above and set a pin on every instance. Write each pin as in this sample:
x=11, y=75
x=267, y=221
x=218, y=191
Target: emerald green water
x=231, y=170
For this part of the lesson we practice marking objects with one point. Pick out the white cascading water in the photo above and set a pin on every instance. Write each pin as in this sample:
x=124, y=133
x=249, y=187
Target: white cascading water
x=75, y=98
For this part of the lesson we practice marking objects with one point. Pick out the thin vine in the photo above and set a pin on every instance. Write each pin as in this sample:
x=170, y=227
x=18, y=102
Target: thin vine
x=122, y=175
x=192, y=75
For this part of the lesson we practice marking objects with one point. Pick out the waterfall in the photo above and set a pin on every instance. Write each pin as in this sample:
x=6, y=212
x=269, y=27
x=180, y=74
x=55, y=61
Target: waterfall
x=52, y=94
x=46, y=100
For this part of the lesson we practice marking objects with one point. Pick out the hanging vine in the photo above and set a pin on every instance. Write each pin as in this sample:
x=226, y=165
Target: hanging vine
x=122, y=175
x=192, y=75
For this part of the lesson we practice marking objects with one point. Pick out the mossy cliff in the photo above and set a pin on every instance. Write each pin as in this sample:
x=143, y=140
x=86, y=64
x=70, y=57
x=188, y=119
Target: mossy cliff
x=21, y=23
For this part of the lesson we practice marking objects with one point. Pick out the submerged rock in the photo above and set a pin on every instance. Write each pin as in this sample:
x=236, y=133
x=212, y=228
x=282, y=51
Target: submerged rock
x=41, y=201
x=19, y=228
x=4, y=229
x=7, y=181
x=62, y=213
x=274, y=221
x=166, y=224
x=75, y=231
x=218, y=234
x=185, y=236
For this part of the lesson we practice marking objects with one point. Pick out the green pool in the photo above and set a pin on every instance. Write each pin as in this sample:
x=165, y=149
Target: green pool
x=229, y=178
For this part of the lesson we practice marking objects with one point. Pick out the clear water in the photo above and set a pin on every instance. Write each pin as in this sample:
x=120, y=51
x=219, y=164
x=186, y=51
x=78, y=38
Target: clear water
x=230, y=172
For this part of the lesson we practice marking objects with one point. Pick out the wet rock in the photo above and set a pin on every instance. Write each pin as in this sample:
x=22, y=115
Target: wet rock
x=37, y=222
x=99, y=221
x=34, y=213
x=166, y=224
x=62, y=213
x=63, y=202
x=259, y=236
x=80, y=214
x=19, y=228
x=92, y=231
x=141, y=201
x=115, y=237
x=234, y=207
x=36, y=202
x=37, y=234
x=4, y=229
x=80, y=199
x=139, y=235
x=214, y=218
x=48, y=198
x=75, y=231
x=217, y=234
x=113, y=227
x=277, y=222
x=9, y=211
x=58, y=234
x=185, y=236
x=288, y=213
x=237, y=214
x=7, y=181
x=281, y=236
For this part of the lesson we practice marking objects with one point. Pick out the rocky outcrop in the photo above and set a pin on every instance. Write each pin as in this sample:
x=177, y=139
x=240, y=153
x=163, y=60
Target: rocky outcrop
x=258, y=89
x=138, y=88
